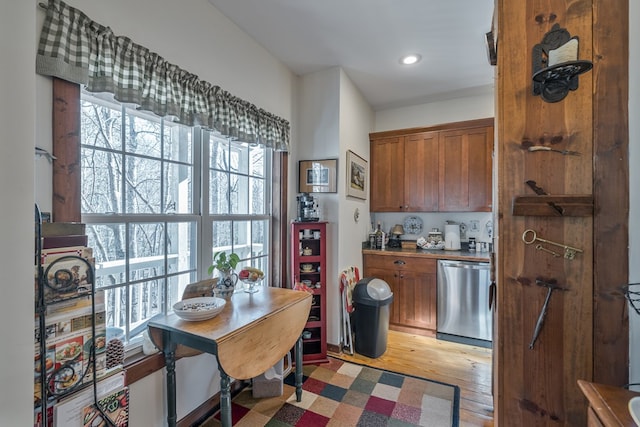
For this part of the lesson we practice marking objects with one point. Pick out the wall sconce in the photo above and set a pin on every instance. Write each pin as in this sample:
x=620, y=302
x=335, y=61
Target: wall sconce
x=556, y=65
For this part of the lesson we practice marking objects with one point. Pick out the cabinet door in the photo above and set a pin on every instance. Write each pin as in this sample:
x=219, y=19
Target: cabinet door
x=387, y=174
x=421, y=172
x=465, y=170
x=417, y=299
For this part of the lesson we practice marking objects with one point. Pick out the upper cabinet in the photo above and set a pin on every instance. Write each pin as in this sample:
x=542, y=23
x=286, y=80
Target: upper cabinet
x=465, y=170
x=445, y=168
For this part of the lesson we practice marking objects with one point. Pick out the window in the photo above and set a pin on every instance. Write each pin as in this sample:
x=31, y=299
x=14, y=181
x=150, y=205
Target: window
x=159, y=199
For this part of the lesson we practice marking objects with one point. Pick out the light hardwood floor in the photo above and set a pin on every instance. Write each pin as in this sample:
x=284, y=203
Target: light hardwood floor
x=468, y=367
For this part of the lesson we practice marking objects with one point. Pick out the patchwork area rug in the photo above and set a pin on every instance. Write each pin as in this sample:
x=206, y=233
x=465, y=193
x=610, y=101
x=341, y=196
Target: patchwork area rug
x=339, y=393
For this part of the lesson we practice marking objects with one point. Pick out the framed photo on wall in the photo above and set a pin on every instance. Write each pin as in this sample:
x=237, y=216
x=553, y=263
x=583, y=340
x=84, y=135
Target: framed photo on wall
x=356, y=176
x=317, y=176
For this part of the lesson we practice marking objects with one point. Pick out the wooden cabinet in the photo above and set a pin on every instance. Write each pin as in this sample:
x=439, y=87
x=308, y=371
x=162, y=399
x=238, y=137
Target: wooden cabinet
x=308, y=266
x=608, y=405
x=465, y=170
x=387, y=182
x=413, y=283
x=445, y=168
x=421, y=172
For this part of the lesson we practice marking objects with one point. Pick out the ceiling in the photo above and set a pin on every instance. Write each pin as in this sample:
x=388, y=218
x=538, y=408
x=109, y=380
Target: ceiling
x=366, y=38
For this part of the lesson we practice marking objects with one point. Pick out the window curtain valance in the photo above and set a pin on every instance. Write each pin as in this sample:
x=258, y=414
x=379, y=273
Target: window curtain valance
x=75, y=48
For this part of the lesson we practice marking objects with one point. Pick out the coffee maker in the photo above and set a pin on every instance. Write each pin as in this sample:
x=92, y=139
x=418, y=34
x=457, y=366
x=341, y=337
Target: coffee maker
x=306, y=208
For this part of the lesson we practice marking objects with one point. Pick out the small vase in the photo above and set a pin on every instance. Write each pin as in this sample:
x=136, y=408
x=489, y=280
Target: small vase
x=226, y=284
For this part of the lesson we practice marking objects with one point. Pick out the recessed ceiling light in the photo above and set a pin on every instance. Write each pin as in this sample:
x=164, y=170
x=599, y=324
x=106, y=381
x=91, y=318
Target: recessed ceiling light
x=410, y=59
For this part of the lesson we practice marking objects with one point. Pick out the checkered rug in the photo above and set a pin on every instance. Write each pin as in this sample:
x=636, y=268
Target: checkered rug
x=339, y=393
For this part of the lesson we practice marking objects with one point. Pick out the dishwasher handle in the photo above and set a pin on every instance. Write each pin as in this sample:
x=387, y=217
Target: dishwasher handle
x=470, y=265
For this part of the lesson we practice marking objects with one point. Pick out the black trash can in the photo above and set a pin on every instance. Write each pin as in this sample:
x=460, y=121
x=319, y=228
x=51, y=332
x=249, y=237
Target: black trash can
x=372, y=299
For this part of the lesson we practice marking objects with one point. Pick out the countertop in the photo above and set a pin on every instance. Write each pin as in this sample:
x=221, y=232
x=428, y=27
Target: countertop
x=462, y=255
x=608, y=403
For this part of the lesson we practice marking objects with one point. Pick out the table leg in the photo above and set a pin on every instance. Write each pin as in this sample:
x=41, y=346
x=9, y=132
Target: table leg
x=170, y=363
x=299, y=369
x=225, y=399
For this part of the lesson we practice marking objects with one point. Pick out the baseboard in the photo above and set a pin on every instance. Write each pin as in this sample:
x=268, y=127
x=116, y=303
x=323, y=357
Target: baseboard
x=209, y=407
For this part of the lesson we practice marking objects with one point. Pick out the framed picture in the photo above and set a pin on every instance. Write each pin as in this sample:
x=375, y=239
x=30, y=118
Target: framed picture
x=317, y=176
x=356, y=176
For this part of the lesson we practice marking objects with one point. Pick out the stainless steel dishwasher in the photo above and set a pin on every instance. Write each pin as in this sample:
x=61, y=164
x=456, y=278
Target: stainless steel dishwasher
x=464, y=315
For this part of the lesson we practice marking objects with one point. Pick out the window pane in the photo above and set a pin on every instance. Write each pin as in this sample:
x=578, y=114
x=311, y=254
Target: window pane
x=218, y=190
x=256, y=194
x=101, y=124
x=178, y=142
x=178, y=188
x=145, y=301
x=116, y=302
x=259, y=238
x=177, y=284
x=142, y=134
x=181, y=247
x=146, y=251
x=143, y=185
x=239, y=194
x=239, y=157
x=256, y=161
x=101, y=181
x=108, y=244
x=219, y=153
x=221, y=236
x=242, y=238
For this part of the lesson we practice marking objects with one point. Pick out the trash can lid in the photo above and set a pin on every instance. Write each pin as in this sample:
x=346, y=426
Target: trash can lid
x=372, y=289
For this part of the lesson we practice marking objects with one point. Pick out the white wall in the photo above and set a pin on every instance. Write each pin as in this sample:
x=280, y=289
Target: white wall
x=319, y=136
x=17, y=140
x=634, y=186
x=334, y=118
x=479, y=106
x=193, y=35
x=356, y=121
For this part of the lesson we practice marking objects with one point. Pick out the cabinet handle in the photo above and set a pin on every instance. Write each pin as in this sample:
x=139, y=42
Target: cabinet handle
x=399, y=262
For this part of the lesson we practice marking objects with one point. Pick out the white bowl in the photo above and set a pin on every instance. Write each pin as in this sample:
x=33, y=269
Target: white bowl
x=634, y=409
x=202, y=308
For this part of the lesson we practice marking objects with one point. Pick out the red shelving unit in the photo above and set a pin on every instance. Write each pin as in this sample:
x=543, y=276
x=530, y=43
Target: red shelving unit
x=308, y=265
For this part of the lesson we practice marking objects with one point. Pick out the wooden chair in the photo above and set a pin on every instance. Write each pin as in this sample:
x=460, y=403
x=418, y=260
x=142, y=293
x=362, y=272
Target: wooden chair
x=203, y=288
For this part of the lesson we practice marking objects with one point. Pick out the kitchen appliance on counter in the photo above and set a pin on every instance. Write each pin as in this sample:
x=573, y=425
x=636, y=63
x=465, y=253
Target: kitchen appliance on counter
x=396, y=232
x=452, y=237
x=464, y=315
x=307, y=211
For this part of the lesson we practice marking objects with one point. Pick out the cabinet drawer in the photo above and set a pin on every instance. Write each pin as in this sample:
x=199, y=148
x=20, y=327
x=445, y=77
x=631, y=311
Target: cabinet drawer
x=400, y=262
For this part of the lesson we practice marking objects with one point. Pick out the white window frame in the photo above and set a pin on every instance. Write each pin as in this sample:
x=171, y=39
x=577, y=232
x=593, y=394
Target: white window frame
x=200, y=216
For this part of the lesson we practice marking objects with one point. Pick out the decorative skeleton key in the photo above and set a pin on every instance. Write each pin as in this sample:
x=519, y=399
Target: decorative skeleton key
x=569, y=251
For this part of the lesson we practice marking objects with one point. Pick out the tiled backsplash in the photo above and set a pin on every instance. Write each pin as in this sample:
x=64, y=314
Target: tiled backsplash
x=477, y=223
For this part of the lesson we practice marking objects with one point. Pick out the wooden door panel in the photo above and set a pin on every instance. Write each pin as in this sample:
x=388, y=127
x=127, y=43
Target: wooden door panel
x=421, y=172
x=480, y=146
x=454, y=178
x=417, y=306
x=387, y=183
x=465, y=169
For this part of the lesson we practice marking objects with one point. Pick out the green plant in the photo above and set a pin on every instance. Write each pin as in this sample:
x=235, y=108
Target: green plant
x=223, y=262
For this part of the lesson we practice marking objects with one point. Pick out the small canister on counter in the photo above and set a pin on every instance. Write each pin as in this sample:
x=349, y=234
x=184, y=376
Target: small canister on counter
x=472, y=244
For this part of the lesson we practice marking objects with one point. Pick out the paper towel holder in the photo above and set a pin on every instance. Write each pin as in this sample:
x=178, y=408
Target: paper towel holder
x=556, y=66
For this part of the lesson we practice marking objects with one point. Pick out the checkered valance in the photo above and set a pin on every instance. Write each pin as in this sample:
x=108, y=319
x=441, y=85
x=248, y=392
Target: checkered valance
x=75, y=48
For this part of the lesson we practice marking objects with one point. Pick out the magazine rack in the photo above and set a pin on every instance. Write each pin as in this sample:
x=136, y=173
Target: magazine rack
x=64, y=280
